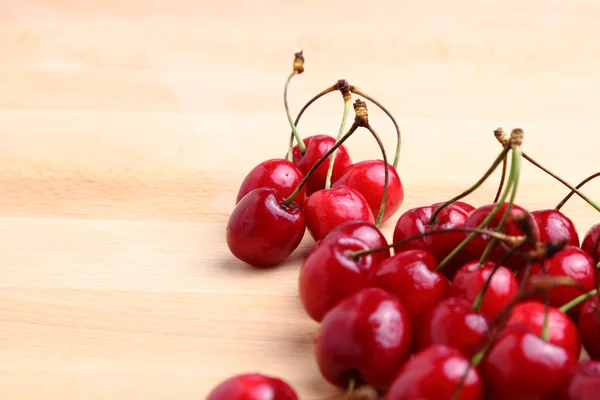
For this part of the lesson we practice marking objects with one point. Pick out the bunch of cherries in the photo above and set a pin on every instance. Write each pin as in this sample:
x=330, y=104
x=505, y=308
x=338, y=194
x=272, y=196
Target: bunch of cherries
x=493, y=302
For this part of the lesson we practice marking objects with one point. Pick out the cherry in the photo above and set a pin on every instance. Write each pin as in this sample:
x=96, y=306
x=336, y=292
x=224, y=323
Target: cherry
x=562, y=331
x=590, y=241
x=585, y=382
x=262, y=231
x=409, y=275
x=328, y=208
x=365, y=339
x=329, y=275
x=589, y=326
x=316, y=147
x=452, y=322
x=365, y=231
x=435, y=373
x=470, y=280
x=522, y=366
x=465, y=206
x=253, y=386
x=368, y=178
x=277, y=173
x=555, y=225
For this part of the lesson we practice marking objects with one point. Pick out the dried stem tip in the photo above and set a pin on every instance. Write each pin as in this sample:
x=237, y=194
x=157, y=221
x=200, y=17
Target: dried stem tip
x=344, y=87
x=501, y=136
x=360, y=111
x=516, y=137
x=524, y=222
x=299, y=62
x=544, y=251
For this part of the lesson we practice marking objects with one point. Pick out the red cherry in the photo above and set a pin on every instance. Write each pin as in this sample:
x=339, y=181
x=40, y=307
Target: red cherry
x=471, y=278
x=279, y=174
x=329, y=275
x=365, y=338
x=316, y=147
x=409, y=275
x=465, y=206
x=589, y=327
x=253, y=387
x=328, y=208
x=591, y=244
x=368, y=179
x=585, y=382
x=452, y=323
x=555, y=225
x=522, y=366
x=416, y=221
x=365, y=231
x=561, y=329
x=262, y=231
x=435, y=373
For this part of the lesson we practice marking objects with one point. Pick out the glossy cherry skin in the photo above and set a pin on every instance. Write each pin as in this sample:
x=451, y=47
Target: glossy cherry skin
x=477, y=246
x=416, y=221
x=253, y=386
x=329, y=275
x=368, y=179
x=585, y=382
x=452, y=323
x=555, y=225
x=365, y=231
x=410, y=277
x=471, y=278
x=562, y=331
x=522, y=366
x=589, y=327
x=366, y=338
x=329, y=208
x=465, y=206
x=591, y=244
x=277, y=173
x=435, y=373
x=316, y=147
x=262, y=231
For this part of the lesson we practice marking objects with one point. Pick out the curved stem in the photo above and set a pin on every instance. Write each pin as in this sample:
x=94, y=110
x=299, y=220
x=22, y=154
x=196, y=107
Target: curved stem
x=578, y=300
x=571, y=193
x=379, y=218
x=502, y=178
x=301, y=145
x=359, y=92
x=347, y=107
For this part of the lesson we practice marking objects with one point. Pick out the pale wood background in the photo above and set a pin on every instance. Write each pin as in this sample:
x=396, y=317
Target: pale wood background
x=127, y=126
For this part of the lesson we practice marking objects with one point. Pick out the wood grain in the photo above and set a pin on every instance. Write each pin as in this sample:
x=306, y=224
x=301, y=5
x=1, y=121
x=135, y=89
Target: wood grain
x=127, y=126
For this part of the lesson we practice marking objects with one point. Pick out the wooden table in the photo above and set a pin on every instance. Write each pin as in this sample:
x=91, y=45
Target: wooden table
x=127, y=126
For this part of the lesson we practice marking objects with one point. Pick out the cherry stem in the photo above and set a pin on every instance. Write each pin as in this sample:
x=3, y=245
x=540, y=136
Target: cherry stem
x=571, y=193
x=497, y=162
x=359, y=92
x=545, y=334
x=347, y=107
x=386, y=173
x=578, y=300
x=298, y=69
x=502, y=178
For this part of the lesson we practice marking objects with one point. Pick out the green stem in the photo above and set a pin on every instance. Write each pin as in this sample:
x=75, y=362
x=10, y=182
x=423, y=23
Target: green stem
x=571, y=193
x=545, y=323
x=578, y=300
x=502, y=178
x=301, y=145
x=386, y=173
x=347, y=108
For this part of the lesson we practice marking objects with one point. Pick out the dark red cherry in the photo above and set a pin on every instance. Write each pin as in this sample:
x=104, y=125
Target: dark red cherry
x=555, y=225
x=465, y=206
x=365, y=231
x=365, y=338
x=416, y=221
x=410, y=277
x=591, y=242
x=589, y=326
x=316, y=147
x=522, y=366
x=562, y=331
x=435, y=373
x=328, y=208
x=368, y=179
x=452, y=323
x=585, y=382
x=329, y=274
x=277, y=173
x=470, y=280
x=253, y=386
x=262, y=231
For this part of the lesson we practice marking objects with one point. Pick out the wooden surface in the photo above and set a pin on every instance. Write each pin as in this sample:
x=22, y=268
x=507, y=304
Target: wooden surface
x=127, y=126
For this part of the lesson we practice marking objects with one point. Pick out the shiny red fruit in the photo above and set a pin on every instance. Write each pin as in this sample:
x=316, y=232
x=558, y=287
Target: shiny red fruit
x=365, y=231
x=410, y=277
x=585, y=382
x=589, y=327
x=316, y=147
x=329, y=208
x=329, y=275
x=591, y=242
x=470, y=280
x=465, y=206
x=554, y=225
x=368, y=179
x=277, y=173
x=452, y=323
x=562, y=331
x=522, y=366
x=435, y=373
x=262, y=231
x=253, y=387
x=365, y=338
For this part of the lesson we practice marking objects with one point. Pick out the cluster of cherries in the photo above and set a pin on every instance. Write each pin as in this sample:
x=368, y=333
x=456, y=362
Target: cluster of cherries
x=493, y=302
